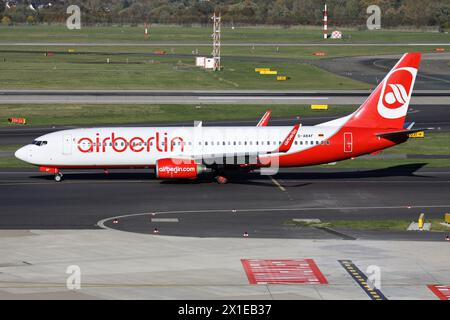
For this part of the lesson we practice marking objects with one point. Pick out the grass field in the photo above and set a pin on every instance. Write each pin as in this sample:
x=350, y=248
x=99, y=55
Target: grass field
x=165, y=33
x=433, y=143
x=391, y=224
x=256, y=52
x=91, y=71
x=136, y=67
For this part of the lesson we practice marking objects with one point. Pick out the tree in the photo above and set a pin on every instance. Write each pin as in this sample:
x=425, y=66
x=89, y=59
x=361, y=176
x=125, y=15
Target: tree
x=6, y=21
x=30, y=20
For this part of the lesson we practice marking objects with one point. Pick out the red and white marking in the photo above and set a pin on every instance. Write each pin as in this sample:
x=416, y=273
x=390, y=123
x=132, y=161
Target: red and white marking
x=442, y=292
x=293, y=271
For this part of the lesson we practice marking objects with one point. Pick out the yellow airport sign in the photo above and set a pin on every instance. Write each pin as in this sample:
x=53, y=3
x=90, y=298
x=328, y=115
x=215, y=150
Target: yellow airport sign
x=418, y=134
x=447, y=218
x=319, y=107
x=421, y=221
x=268, y=72
x=282, y=78
x=261, y=69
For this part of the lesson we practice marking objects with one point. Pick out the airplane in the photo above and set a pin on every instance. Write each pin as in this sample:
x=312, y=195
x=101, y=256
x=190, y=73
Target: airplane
x=187, y=152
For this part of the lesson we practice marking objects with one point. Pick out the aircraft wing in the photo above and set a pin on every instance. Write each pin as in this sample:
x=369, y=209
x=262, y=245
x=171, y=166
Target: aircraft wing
x=248, y=157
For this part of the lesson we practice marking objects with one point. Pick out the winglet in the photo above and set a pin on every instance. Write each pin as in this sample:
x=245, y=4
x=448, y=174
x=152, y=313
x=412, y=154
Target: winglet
x=265, y=119
x=287, y=143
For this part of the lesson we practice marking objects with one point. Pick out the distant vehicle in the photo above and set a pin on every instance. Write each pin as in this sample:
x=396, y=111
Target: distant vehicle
x=186, y=152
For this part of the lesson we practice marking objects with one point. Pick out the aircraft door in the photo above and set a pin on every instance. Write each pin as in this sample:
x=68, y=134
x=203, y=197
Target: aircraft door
x=67, y=144
x=348, y=142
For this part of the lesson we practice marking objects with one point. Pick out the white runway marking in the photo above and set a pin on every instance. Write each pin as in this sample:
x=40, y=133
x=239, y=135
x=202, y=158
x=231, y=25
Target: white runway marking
x=59, y=184
x=263, y=98
x=165, y=220
x=275, y=182
x=102, y=222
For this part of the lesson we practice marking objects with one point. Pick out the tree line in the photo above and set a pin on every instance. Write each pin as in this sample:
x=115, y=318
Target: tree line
x=351, y=13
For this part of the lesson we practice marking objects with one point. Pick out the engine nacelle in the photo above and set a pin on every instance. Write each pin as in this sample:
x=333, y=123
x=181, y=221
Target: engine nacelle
x=170, y=168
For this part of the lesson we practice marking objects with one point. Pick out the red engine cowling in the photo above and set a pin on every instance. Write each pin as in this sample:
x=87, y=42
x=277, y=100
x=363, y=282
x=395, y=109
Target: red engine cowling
x=170, y=168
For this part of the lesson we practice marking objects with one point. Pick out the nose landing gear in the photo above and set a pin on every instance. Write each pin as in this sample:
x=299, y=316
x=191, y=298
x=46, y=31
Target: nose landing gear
x=58, y=177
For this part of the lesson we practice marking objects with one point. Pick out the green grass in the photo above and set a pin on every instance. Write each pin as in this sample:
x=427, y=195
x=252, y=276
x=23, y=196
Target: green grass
x=159, y=33
x=9, y=147
x=12, y=162
x=256, y=52
x=32, y=70
x=389, y=224
x=432, y=143
x=386, y=163
x=71, y=114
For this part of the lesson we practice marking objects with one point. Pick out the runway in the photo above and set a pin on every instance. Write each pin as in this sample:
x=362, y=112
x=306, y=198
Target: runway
x=210, y=97
x=425, y=116
x=31, y=200
x=434, y=71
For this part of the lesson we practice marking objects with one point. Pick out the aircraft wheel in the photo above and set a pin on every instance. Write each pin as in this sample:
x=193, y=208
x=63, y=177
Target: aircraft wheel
x=221, y=179
x=58, y=177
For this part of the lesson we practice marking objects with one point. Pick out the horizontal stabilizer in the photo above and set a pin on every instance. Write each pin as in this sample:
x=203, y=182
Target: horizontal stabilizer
x=392, y=134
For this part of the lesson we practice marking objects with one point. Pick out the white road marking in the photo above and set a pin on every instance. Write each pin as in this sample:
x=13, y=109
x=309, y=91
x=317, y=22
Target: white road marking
x=275, y=182
x=263, y=98
x=165, y=220
x=102, y=222
x=51, y=182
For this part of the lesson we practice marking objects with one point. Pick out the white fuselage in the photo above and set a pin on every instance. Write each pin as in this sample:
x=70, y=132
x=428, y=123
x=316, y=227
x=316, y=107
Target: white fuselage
x=143, y=146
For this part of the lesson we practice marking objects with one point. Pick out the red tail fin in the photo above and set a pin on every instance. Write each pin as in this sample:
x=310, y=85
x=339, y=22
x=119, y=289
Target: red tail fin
x=386, y=107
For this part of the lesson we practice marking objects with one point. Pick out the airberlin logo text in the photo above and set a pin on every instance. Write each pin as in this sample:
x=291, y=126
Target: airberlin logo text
x=177, y=169
x=159, y=143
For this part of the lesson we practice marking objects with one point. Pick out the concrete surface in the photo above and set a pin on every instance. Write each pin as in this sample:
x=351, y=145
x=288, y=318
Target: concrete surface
x=121, y=265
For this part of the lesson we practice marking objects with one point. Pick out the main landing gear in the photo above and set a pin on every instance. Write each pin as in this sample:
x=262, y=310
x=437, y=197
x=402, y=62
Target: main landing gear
x=221, y=179
x=58, y=177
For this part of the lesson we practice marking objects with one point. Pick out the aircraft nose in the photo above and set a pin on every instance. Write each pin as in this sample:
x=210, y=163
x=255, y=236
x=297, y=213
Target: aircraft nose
x=21, y=154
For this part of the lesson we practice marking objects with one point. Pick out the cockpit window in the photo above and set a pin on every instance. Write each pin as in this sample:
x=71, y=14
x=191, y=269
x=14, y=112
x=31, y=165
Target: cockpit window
x=39, y=143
